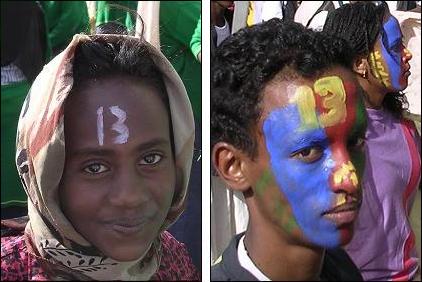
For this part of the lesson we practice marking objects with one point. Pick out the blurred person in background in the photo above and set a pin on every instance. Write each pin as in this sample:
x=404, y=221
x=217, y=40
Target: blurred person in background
x=195, y=43
x=25, y=49
x=65, y=19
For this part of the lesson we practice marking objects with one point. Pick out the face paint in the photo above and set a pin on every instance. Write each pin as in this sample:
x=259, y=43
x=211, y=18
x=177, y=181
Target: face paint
x=285, y=217
x=334, y=103
x=304, y=98
x=310, y=186
x=378, y=68
x=387, y=58
x=341, y=199
x=119, y=125
x=100, y=126
x=344, y=173
x=263, y=182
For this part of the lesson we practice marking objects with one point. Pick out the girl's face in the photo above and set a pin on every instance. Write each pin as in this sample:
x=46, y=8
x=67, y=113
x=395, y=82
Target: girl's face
x=390, y=59
x=119, y=176
x=311, y=157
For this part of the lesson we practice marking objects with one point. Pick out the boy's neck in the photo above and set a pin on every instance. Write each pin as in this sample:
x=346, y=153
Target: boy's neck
x=277, y=258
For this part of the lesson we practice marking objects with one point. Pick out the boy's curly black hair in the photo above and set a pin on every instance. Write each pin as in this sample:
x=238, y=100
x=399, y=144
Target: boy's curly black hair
x=360, y=24
x=245, y=62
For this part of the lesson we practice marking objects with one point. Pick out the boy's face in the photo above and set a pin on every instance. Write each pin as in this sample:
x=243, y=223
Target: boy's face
x=119, y=176
x=311, y=150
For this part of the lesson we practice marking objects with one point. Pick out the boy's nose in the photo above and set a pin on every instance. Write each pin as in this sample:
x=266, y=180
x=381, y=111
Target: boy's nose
x=344, y=176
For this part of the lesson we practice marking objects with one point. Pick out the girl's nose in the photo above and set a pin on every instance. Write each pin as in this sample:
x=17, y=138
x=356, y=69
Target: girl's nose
x=407, y=55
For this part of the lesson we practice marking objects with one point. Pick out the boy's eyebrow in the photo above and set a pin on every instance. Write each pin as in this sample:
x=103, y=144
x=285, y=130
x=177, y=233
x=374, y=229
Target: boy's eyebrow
x=95, y=151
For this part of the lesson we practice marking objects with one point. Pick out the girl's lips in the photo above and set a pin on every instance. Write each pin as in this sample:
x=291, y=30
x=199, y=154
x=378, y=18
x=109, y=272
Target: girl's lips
x=127, y=229
x=127, y=226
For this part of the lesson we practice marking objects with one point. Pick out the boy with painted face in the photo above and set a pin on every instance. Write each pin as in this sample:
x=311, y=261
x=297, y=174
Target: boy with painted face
x=287, y=129
x=393, y=170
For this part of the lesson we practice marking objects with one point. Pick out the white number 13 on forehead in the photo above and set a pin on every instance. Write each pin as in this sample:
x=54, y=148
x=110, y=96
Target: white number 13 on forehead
x=119, y=126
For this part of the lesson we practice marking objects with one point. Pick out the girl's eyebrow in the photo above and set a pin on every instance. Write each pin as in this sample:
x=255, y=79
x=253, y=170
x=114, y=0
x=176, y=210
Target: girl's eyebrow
x=92, y=151
x=396, y=41
x=391, y=41
x=155, y=142
x=95, y=151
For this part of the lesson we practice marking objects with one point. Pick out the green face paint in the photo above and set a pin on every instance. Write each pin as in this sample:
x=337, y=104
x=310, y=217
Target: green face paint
x=285, y=217
x=263, y=182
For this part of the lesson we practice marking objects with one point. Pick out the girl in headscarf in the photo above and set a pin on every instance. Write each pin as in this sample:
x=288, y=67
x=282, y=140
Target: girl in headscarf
x=104, y=150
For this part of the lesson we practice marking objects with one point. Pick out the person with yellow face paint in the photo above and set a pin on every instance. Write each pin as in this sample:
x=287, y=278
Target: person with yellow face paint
x=287, y=128
x=383, y=246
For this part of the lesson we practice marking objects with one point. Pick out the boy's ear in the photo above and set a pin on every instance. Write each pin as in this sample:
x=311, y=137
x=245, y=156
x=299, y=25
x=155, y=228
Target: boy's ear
x=231, y=163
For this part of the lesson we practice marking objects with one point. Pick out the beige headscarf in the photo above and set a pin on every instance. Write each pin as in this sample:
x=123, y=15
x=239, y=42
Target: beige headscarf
x=40, y=161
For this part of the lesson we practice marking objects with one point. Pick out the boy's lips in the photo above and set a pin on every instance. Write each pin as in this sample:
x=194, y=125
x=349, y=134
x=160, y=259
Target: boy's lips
x=344, y=213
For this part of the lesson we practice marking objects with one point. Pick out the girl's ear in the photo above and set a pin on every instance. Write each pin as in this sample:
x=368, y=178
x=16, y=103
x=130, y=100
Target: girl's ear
x=230, y=164
x=361, y=66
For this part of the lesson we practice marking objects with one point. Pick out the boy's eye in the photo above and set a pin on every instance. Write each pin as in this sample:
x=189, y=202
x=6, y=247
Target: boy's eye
x=151, y=159
x=95, y=168
x=309, y=155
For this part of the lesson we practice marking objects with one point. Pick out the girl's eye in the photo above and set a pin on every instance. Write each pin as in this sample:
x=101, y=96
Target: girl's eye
x=95, y=168
x=397, y=47
x=151, y=159
x=309, y=155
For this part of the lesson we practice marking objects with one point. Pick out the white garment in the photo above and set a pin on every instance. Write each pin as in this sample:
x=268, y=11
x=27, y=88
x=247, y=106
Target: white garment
x=11, y=74
x=266, y=10
x=229, y=216
x=246, y=262
x=308, y=8
x=222, y=32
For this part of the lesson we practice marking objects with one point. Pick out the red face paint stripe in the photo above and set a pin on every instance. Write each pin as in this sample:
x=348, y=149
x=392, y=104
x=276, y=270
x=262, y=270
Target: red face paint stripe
x=342, y=130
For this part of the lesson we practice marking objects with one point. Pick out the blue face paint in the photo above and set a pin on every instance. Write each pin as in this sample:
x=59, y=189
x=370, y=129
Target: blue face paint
x=391, y=50
x=305, y=185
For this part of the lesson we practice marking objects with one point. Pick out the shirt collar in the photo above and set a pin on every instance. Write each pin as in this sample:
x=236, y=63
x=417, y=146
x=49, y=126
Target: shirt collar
x=246, y=262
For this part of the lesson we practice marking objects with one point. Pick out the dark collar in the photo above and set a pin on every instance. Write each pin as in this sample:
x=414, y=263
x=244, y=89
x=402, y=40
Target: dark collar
x=337, y=265
x=230, y=262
